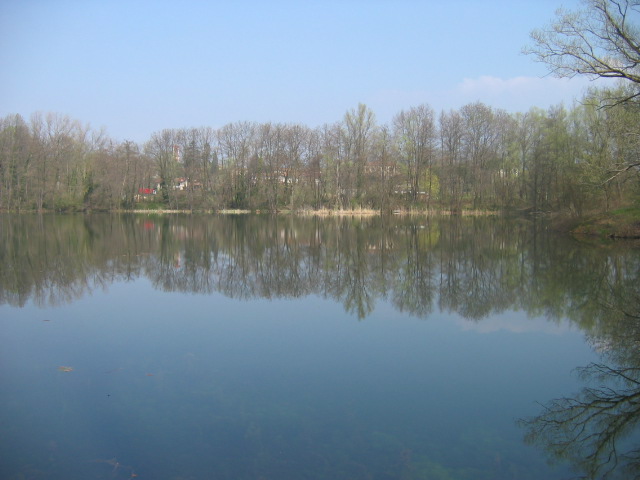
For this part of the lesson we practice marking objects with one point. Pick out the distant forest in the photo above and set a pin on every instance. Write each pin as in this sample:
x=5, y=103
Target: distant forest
x=563, y=159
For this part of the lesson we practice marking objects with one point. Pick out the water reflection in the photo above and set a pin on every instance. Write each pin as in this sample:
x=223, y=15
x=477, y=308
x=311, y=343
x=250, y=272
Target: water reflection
x=474, y=267
x=597, y=430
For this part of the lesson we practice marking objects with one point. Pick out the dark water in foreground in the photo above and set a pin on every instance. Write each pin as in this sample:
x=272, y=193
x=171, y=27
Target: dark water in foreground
x=261, y=348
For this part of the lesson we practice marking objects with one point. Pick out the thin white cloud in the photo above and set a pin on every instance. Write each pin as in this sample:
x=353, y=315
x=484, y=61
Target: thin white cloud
x=516, y=94
x=508, y=86
x=521, y=93
x=516, y=322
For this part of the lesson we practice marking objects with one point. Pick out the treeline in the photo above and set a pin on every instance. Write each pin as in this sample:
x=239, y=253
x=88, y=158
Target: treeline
x=475, y=157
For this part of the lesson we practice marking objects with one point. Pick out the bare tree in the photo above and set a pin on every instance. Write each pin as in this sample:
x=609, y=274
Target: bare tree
x=415, y=134
x=333, y=166
x=15, y=160
x=479, y=145
x=451, y=136
x=133, y=169
x=359, y=125
x=295, y=142
x=237, y=142
x=312, y=173
x=600, y=40
x=589, y=430
x=162, y=148
x=268, y=163
x=384, y=177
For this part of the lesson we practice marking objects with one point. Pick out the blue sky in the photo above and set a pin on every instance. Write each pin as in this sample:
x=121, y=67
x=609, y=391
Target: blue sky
x=135, y=67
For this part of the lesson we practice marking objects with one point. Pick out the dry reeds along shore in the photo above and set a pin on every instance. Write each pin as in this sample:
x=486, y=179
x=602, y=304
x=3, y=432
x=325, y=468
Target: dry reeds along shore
x=370, y=212
x=323, y=212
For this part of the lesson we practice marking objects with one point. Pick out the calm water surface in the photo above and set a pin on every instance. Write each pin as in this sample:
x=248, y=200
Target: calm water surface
x=251, y=347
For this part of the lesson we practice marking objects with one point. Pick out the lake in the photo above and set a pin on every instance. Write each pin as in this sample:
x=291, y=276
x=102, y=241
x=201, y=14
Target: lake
x=258, y=347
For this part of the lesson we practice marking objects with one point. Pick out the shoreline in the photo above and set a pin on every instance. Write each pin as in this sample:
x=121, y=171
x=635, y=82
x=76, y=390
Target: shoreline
x=324, y=212
x=623, y=223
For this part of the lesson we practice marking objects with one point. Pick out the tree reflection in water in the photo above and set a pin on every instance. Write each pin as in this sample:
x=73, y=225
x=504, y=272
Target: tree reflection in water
x=475, y=267
x=597, y=430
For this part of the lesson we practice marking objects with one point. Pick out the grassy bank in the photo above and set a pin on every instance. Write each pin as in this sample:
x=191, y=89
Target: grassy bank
x=619, y=223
